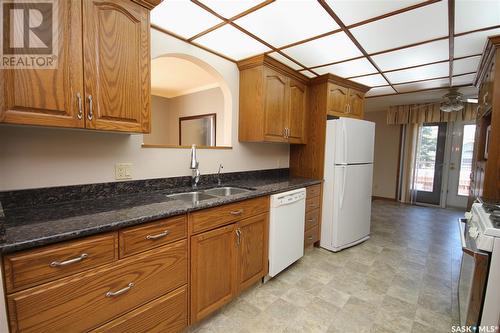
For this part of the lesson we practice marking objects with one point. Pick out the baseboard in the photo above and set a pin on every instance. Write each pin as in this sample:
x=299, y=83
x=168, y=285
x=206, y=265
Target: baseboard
x=382, y=198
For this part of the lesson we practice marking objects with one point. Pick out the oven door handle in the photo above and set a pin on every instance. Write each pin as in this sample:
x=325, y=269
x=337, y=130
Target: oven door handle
x=461, y=227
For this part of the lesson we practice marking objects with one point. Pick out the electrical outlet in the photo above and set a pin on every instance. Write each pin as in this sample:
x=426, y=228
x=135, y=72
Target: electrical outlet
x=123, y=171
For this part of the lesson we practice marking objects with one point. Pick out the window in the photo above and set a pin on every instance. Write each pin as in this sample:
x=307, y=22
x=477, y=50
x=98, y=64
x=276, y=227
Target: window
x=426, y=158
x=466, y=159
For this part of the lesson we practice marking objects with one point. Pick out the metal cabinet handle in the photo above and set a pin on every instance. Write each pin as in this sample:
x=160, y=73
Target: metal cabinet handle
x=157, y=236
x=238, y=236
x=310, y=220
x=236, y=212
x=69, y=261
x=121, y=291
x=79, y=103
x=91, y=111
x=284, y=132
x=310, y=237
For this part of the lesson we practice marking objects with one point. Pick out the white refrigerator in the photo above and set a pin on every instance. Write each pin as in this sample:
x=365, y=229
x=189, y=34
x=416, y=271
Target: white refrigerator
x=347, y=191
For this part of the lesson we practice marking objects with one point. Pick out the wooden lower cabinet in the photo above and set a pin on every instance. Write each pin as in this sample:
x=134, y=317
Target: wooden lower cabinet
x=226, y=261
x=85, y=301
x=163, y=315
x=213, y=270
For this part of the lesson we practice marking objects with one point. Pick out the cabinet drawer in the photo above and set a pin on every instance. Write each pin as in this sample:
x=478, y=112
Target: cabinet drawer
x=165, y=314
x=214, y=217
x=88, y=300
x=312, y=219
x=311, y=236
x=312, y=203
x=141, y=238
x=29, y=268
x=313, y=191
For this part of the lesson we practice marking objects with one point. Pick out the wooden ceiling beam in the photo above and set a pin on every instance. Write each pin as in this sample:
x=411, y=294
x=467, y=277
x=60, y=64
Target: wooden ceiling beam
x=451, y=35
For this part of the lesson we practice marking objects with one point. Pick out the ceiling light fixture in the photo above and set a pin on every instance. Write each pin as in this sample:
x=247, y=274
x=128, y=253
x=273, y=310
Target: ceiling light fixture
x=452, y=101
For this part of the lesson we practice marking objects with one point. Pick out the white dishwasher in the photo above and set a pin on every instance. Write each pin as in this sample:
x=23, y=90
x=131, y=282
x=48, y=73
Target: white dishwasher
x=286, y=229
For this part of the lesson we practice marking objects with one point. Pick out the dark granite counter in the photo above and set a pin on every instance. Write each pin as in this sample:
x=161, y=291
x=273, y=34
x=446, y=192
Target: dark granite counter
x=44, y=216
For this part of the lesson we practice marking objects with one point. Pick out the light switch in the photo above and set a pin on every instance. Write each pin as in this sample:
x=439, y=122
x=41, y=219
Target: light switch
x=123, y=171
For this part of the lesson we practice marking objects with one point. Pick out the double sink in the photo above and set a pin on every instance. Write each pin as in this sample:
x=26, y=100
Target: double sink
x=216, y=192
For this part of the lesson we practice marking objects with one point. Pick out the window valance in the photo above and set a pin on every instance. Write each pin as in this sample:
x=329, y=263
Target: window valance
x=428, y=113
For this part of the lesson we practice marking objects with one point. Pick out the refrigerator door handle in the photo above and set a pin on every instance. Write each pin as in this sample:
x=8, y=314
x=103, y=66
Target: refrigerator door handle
x=343, y=186
x=344, y=133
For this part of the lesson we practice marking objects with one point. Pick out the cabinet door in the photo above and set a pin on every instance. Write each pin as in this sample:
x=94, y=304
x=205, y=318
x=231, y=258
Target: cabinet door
x=49, y=96
x=253, y=250
x=213, y=270
x=297, y=112
x=356, y=103
x=275, y=106
x=117, y=65
x=337, y=99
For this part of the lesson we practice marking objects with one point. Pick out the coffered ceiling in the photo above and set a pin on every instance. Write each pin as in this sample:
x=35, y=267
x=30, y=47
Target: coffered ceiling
x=395, y=47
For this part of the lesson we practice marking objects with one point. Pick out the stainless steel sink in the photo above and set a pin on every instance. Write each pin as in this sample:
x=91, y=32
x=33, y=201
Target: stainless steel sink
x=191, y=196
x=225, y=191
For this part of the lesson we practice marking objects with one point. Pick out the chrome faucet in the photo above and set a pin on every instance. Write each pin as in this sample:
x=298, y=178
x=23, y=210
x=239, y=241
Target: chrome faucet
x=195, y=177
x=219, y=182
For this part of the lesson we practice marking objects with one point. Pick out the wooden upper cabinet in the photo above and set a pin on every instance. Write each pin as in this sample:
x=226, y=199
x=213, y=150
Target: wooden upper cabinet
x=337, y=99
x=275, y=105
x=213, y=270
x=253, y=250
x=356, y=103
x=117, y=65
x=297, y=112
x=49, y=97
x=273, y=102
x=102, y=78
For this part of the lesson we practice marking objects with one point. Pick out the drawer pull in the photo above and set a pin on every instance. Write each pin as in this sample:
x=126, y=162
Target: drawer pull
x=310, y=220
x=236, y=212
x=310, y=238
x=69, y=261
x=121, y=291
x=160, y=235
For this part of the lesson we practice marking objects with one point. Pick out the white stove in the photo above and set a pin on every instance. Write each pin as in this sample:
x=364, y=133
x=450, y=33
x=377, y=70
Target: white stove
x=479, y=284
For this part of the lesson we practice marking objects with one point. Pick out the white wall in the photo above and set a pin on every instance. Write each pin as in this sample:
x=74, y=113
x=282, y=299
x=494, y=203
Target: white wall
x=38, y=157
x=385, y=165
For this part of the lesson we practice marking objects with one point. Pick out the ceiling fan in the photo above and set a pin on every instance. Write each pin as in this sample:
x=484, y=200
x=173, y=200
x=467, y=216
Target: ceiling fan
x=453, y=101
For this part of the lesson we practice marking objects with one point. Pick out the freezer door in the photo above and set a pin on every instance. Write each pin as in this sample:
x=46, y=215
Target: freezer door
x=352, y=198
x=354, y=140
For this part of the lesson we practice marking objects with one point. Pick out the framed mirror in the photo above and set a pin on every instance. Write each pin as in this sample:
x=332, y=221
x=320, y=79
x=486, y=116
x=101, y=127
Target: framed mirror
x=199, y=130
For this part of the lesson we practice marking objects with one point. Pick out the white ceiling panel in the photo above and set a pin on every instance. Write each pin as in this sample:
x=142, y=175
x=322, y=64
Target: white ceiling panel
x=171, y=16
x=466, y=65
x=232, y=43
x=412, y=56
x=463, y=79
x=441, y=83
x=419, y=73
x=380, y=91
x=284, y=22
x=349, y=68
x=285, y=60
x=472, y=43
x=472, y=15
x=371, y=80
x=309, y=74
x=324, y=50
x=414, y=26
x=230, y=8
x=350, y=11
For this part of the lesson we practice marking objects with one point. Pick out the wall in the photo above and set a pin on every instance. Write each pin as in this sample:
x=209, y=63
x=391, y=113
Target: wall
x=385, y=168
x=165, y=113
x=38, y=157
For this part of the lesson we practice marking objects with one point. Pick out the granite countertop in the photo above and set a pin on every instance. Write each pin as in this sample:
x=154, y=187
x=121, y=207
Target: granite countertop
x=42, y=224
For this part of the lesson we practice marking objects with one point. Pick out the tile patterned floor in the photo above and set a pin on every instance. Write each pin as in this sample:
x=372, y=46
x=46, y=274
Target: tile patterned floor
x=403, y=279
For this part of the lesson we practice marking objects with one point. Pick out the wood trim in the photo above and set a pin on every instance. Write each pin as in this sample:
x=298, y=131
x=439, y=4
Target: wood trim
x=153, y=26
x=147, y=145
x=231, y=19
x=451, y=36
x=340, y=81
x=374, y=197
x=274, y=64
x=149, y=4
x=352, y=38
x=477, y=30
x=214, y=115
x=414, y=91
